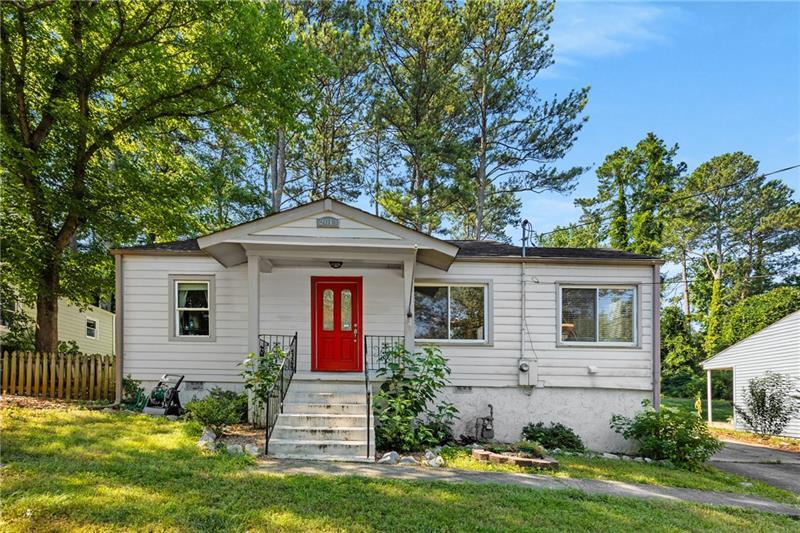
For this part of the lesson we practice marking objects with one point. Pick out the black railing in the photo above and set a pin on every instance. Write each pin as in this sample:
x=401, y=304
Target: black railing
x=368, y=388
x=288, y=366
x=376, y=346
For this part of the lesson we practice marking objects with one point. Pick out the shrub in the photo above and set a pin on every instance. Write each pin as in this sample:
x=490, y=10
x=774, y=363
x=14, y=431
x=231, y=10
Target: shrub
x=553, y=436
x=216, y=412
x=679, y=436
x=238, y=399
x=405, y=419
x=260, y=373
x=754, y=313
x=768, y=404
x=132, y=390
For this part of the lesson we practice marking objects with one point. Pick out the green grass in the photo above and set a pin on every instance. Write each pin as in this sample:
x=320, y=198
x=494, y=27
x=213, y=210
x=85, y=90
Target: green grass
x=94, y=471
x=707, y=478
x=721, y=410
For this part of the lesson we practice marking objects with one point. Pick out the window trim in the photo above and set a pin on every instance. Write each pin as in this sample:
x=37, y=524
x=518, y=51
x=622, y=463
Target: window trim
x=488, y=310
x=96, y=328
x=172, y=311
x=637, y=315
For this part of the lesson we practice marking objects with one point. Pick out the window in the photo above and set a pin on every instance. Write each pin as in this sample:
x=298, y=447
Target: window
x=91, y=328
x=598, y=315
x=192, y=308
x=450, y=312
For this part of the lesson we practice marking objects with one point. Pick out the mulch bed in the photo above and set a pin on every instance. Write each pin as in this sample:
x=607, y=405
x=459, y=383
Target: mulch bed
x=244, y=434
x=30, y=402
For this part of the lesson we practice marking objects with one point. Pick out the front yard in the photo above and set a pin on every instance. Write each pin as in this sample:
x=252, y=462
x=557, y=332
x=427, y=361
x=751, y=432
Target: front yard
x=78, y=469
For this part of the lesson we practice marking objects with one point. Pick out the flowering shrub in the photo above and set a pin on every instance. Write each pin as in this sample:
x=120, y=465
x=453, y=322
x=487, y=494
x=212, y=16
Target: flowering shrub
x=769, y=403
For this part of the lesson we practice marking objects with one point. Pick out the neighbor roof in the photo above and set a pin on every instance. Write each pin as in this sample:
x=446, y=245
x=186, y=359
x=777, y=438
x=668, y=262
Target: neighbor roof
x=466, y=249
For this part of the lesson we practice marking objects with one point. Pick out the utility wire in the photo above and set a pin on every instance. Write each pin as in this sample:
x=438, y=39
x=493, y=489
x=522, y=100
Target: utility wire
x=673, y=199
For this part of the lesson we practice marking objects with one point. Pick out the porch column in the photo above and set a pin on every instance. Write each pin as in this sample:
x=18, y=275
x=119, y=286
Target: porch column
x=253, y=303
x=408, y=308
x=708, y=393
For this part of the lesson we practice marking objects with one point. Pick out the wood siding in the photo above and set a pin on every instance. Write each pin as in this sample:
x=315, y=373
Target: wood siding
x=285, y=308
x=307, y=227
x=775, y=348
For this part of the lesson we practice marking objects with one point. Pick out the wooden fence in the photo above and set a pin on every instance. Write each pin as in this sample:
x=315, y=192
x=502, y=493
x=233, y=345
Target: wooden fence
x=58, y=375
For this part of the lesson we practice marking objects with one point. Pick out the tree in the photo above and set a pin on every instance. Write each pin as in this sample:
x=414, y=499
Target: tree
x=584, y=234
x=379, y=156
x=98, y=102
x=420, y=45
x=516, y=134
x=757, y=312
x=500, y=210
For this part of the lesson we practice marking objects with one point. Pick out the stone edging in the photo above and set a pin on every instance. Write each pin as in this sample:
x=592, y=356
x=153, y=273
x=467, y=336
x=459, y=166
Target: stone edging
x=546, y=463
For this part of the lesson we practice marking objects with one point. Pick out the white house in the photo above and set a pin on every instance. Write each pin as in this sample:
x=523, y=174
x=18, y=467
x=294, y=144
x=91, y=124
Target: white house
x=559, y=334
x=775, y=348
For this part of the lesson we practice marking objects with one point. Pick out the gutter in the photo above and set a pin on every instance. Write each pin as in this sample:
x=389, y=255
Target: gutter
x=561, y=260
x=656, y=298
x=118, y=326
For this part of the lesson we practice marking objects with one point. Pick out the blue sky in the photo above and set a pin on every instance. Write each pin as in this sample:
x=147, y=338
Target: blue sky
x=713, y=77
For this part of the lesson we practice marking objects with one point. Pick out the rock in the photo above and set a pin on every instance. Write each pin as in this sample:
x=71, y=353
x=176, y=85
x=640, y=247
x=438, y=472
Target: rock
x=639, y=459
x=208, y=440
x=408, y=460
x=609, y=456
x=480, y=455
x=429, y=455
x=108, y=410
x=436, y=462
x=234, y=449
x=556, y=451
x=172, y=418
x=746, y=484
x=627, y=458
x=252, y=449
x=474, y=446
x=436, y=450
x=648, y=460
x=389, y=458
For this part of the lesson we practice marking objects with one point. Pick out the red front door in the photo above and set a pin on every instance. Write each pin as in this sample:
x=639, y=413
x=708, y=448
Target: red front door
x=335, y=324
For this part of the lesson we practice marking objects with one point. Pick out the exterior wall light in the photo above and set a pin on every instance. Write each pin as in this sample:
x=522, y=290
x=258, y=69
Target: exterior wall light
x=335, y=264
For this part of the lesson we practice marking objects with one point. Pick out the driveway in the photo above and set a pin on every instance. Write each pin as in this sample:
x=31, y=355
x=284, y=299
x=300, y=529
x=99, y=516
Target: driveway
x=775, y=467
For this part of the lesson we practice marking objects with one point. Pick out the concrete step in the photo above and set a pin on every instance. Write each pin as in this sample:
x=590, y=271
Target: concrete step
x=325, y=408
x=310, y=434
x=338, y=387
x=325, y=397
x=317, y=420
x=323, y=449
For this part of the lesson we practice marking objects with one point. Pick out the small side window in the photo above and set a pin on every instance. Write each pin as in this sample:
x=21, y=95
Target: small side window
x=91, y=328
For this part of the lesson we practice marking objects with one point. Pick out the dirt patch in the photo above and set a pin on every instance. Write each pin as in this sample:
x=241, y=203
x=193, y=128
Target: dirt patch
x=30, y=402
x=243, y=434
x=786, y=444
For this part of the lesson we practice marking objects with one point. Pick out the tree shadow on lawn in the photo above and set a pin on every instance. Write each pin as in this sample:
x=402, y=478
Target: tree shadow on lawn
x=120, y=471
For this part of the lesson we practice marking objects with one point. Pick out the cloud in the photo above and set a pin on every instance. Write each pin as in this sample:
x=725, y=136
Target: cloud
x=585, y=30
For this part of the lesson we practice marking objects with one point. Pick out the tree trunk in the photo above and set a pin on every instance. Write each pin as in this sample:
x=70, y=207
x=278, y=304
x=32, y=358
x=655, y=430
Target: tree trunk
x=687, y=310
x=481, y=200
x=47, y=310
x=278, y=170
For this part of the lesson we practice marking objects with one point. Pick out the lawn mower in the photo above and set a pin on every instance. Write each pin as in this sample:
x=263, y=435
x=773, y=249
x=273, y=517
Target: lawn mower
x=164, y=398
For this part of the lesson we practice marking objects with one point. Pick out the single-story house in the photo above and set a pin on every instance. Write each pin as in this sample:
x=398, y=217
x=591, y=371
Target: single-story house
x=776, y=348
x=91, y=328
x=545, y=334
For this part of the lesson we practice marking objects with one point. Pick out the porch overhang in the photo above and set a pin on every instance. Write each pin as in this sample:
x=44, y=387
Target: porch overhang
x=293, y=236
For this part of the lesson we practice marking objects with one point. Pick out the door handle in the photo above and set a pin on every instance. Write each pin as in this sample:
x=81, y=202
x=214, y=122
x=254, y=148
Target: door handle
x=355, y=332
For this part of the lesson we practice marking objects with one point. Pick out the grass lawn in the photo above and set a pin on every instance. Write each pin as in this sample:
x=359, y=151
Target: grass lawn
x=708, y=478
x=780, y=443
x=82, y=470
x=721, y=410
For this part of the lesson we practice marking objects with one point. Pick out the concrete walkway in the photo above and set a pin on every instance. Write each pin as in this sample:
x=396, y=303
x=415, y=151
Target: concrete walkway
x=775, y=467
x=589, y=486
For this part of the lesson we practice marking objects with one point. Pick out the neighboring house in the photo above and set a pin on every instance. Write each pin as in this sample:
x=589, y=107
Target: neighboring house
x=92, y=328
x=562, y=335
x=776, y=348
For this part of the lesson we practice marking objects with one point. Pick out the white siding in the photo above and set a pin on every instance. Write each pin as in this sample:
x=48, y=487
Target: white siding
x=559, y=366
x=307, y=227
x=775, y=348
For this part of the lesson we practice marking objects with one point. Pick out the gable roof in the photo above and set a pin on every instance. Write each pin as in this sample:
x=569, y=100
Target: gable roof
x=488, y=249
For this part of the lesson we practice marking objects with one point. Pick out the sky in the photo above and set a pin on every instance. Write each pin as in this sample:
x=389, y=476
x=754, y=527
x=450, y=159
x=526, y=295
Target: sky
x=713, y=77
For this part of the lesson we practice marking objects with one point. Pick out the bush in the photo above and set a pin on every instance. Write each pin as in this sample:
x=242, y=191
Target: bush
x=768, y=404
x=553, y=436
x=679, y=436
x=260, y=373
x=216, y=412
x=238, y=399
x=754, y=313
x=132, y=390
x=405, y=420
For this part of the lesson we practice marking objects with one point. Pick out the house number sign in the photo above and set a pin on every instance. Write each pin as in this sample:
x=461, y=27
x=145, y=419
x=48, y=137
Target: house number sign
x=327, y=222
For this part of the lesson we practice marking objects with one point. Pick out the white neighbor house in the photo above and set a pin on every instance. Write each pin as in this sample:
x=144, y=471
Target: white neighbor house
x=775, y=348
x=563, y=335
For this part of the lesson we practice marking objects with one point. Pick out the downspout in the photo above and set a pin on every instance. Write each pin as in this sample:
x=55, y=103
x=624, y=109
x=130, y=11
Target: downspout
x=410, y=309
x=118, y=325
x=656, y=296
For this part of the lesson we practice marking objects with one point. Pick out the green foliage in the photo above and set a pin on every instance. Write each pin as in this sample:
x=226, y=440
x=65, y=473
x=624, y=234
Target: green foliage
x=679, y=436
x=132, y=390
x=215, y=411
x=556, y=435
x=260, y=373
x=769, y=403
x=238, y=399
x=757, y=312
x=409, y=417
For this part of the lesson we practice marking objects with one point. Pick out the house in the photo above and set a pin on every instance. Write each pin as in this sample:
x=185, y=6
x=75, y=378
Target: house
x=556, y=334
x=91, y=328
x=776, y=348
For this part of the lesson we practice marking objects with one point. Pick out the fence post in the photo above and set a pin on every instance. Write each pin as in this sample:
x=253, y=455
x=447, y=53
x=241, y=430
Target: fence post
x=36, y=374
x=6, y=364
x=69, y=376
x=52, y=375
x=12, y=384
x=91, y=377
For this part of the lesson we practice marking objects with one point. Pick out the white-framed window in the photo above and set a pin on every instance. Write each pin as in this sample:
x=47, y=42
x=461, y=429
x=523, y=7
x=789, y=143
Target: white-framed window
x=451, y=312
x=91, y=328
x=191, y=304
x=598, y=315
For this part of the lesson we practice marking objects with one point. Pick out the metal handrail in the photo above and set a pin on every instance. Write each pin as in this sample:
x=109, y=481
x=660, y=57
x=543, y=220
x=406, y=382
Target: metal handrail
x=375, y=347
x=287, y=369
x=368, y=392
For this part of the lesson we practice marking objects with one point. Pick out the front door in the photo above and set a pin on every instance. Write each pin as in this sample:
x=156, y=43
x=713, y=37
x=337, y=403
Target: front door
x=335, y=324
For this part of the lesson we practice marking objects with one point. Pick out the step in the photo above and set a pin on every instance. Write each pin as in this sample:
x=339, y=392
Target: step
x=336, y=387
x=323, y=449
x=311, y=434
x=324, y=408
x=347, y=377
x=325, y=397
x=318, y=420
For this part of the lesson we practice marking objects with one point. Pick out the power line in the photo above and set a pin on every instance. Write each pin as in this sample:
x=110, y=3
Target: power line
x=673, y=199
